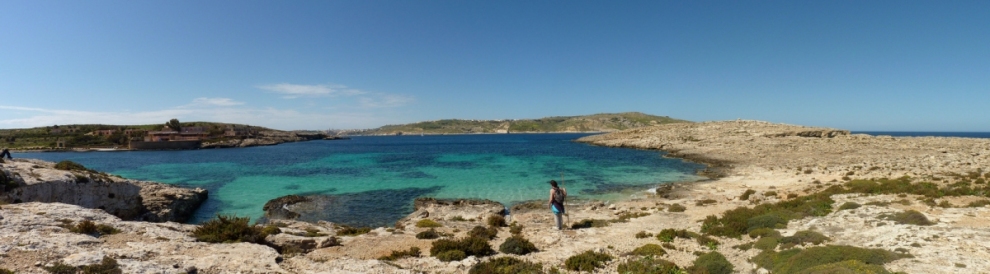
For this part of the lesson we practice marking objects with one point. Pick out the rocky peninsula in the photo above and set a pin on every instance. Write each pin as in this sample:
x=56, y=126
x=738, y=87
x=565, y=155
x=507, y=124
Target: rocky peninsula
x=813, y=200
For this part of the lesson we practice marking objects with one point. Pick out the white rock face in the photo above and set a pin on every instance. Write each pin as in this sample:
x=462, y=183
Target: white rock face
x=39, y=181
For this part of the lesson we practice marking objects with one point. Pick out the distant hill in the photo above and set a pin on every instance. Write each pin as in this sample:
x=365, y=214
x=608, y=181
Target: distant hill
x=605, y=122
x=97, y=136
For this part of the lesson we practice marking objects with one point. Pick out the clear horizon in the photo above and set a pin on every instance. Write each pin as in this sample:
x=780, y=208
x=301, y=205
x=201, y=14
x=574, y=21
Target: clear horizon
x=862, y=66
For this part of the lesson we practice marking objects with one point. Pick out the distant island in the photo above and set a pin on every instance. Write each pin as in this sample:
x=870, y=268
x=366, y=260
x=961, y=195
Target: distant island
x=603, y=122
x=172, y=135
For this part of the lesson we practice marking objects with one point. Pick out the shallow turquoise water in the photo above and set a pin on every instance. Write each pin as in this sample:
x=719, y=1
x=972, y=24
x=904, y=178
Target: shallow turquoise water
x=378, y=177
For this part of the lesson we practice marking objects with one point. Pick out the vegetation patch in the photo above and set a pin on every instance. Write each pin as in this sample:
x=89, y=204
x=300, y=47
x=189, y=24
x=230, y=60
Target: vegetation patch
x=589, y=223
x=763, y=232
x=483, y=232
x=517, y=245
x=624, y=217
x=428, y=235
x=803, y=237
x=668, y=234
x=705, y=202
x=643, y=234
x=587, y=261
x=746, y=194
x=796, y=260
x=978, y=203
x=850, y=266
x=741, y=220
x=341, y=231
x=106, y=266
x=229, y=229
x=706, y=241
x=713, y=263
x=6, y=183
x=71, y=166
x=90, y=228
x=649, y=250
x=427, y=223
x=515, y=228
x=497, y=221
x=450, y=250
x=6, y=271
x=910, y=217
x=506, y=265
x=849, y=205
x=399, y=254
x=676, y=208
x=649, y=265
x=767, y=243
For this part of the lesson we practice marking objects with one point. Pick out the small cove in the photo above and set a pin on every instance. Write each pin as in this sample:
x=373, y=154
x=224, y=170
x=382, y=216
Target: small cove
x=372, y=180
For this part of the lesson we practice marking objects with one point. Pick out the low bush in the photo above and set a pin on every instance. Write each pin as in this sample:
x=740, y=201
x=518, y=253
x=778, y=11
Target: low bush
x=506, y=265
x=850, y=266
x=470, y=246
x=587, y=261
x=763, y=232
x=106, y=266
x=676, y=208
x=271, y=229
x=767, y=243
x=515, y=228
x=849, y=205
x=978, y=203
x=741, y=220
x=517, y=245
x=706, y=241
x=458, y=218
x=803, y=237
x=427, y=223
x=770, y=194
x=451, y=255
x=713, y=263
x=90, y=228
x=643, y=234
x=341, y=231
x=70, y=166
x=497, y=221
x=428, y=235
x=6, y=271
x=797, y=260
x=746, y=194
x=228, y=229
x=648, y=265
x=483, y=232
x=589, y=223
x=705, y=202
x=743, y=247
x=769, y=220
x=397, y=254
x=668, y=234
x=910, y=217
x=624, y=217
x=61, y=268
x=649, y=250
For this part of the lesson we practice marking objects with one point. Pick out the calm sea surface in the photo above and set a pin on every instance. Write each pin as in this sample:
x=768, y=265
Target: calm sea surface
x=375, y=179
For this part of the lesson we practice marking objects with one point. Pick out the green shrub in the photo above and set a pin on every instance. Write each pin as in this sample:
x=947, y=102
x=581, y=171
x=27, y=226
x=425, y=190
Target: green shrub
x=668, y=234
x=506, y=265
x=676, y=208
x=6, y=271
x=451, y=255
x=589, y=223
x=744, y=247
x=517, y=245
x=910, y=217
x=60, y=268
x=587, y=261
x=470, y=246
x=796, y=260
x=341, y=231
x=648, y=265
x=705, y=240
x=770, y=193
x=104, y=229
x=741, y=220
x=850, y=266
x=228, y=229
x=458, y=218
x=763, y=232
x=713, y=263
x=849, y=205
x=396, y=254
x=745, y=195
x=803, y=237
x=978, y=203
x=624, y=217
x=649, y=250
x=496, y=221
x=482, y=232
x=767, y=243
x=515, y=228
x=643, y=234
x=6, y=183
x=769, y=220
x=270, y=229
x=427, y=223
x=106, y=266
x=70, y=166
x=705, y=202
x=428, y=235
x=90, y=228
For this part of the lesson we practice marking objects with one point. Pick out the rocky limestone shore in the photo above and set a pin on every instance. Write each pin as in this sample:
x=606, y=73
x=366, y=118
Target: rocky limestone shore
x=264, y=138
x=31, y=180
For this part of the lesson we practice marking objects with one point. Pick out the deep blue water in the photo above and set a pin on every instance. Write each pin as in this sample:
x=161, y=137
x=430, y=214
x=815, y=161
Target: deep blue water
x=926, y=133
x=373, y=180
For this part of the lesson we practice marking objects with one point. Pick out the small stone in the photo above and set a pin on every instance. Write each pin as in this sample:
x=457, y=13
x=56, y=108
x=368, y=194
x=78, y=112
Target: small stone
x=38, y=263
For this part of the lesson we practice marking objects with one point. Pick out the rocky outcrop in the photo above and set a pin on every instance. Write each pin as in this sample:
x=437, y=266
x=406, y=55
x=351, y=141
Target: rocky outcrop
x=264, y=138
x=278, y=208
x=40, y=181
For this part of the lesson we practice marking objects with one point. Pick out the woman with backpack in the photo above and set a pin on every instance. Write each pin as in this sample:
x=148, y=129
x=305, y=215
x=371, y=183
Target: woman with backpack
x=557, y=196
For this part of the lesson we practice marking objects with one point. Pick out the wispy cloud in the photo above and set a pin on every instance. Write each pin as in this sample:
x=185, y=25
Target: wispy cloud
x=385, y=101
x=295, y=91
x=223, y=102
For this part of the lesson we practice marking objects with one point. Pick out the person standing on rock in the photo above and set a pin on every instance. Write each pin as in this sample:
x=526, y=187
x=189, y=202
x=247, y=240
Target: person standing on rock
x=6, y=153
x=557, y=196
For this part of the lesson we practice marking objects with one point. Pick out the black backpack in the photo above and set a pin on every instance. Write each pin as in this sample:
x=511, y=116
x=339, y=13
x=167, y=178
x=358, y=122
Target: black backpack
x=558, y=196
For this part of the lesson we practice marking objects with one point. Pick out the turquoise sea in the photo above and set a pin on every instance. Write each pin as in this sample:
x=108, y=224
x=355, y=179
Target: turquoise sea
x=373, y=180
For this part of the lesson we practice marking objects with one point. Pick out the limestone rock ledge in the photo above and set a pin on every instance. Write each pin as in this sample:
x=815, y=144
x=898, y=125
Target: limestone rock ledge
x=33, y=180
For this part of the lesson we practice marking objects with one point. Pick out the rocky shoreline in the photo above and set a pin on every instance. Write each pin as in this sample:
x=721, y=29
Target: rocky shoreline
x=750, y=162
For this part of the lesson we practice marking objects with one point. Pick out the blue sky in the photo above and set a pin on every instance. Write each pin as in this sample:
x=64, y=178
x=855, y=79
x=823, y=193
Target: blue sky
x=859, y=65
